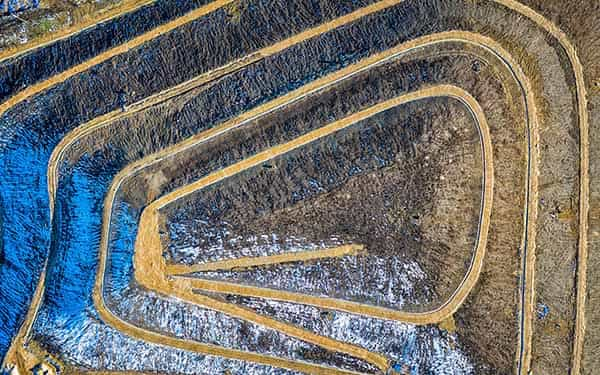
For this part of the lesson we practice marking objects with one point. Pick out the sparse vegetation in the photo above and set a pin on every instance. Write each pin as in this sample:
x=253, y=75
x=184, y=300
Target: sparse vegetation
x=405, y=184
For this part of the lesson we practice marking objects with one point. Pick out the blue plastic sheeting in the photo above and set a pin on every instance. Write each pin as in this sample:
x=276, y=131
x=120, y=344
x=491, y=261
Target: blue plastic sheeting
x=30, y=131
x=542, y=311
x=14, y=6
x=22, y=185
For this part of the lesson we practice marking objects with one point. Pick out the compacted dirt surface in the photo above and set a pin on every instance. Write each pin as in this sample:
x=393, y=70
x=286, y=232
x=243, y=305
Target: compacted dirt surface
x=226, y=187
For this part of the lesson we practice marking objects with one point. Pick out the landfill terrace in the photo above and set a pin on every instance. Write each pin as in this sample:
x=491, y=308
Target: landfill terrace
x=308, y=187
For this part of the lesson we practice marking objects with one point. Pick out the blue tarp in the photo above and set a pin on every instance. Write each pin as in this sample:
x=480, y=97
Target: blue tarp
x=14, y=6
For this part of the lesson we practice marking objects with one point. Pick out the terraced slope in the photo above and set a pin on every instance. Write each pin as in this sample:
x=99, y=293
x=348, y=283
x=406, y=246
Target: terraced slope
x=44, y=60
x=91, y=89
x=341, y=188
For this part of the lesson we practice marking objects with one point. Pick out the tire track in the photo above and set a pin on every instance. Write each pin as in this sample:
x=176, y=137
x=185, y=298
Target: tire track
x=527, y=291
x=149, y=274
x=127, y=7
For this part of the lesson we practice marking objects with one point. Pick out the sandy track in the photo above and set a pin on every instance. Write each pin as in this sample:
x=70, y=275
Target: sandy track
x=529, y=261
x=149, y=224
x=149, y=248
x=133, y=43
x=126, y=7
x=246, y=262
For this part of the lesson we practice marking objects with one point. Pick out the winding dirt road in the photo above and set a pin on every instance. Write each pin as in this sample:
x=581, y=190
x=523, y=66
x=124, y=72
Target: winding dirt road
x=149, y=221
x=109, y=14
x=149, y=261
x=527, y=286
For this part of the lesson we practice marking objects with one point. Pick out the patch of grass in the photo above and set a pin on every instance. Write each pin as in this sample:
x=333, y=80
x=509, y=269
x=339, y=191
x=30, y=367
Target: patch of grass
x=44, y=27
x=234, y=10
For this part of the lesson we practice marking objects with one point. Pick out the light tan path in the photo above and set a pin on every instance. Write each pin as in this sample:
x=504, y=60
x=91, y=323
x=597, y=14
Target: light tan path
x=584, y=194
x=99, y=122
x=527, y=303
x=454, y=36
x=247, y=262
x=133, y=43
x=528, y=297
x=151, y=269
x=128, y=6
